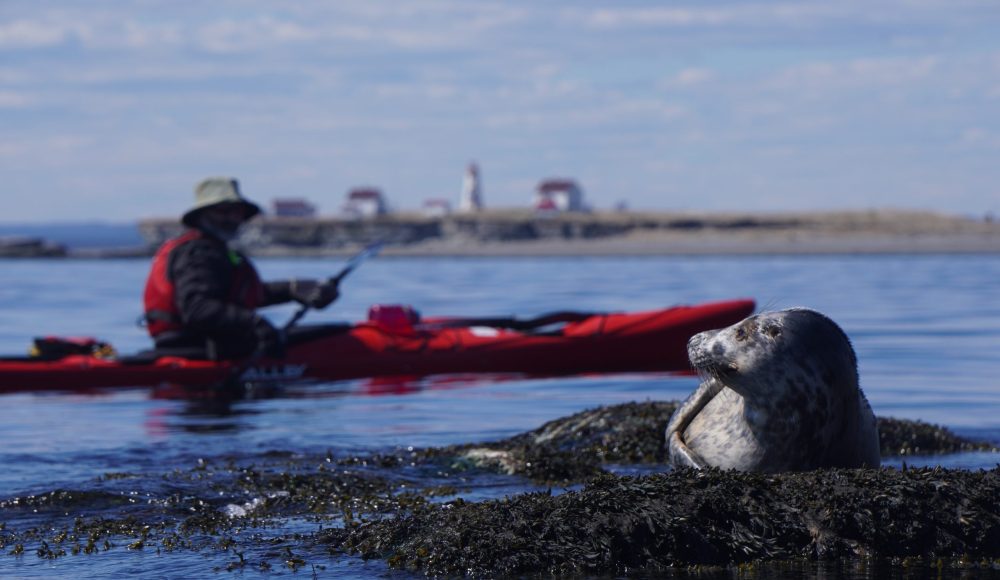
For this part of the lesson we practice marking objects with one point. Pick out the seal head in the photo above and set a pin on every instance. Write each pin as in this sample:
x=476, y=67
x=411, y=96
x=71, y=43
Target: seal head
x=779, y=393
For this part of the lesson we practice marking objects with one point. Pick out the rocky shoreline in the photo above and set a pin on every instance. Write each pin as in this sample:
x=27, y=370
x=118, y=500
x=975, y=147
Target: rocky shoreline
x=691, y=519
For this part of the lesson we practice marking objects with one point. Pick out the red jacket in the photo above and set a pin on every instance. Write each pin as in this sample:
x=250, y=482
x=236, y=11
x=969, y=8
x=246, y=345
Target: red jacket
x=198, y=287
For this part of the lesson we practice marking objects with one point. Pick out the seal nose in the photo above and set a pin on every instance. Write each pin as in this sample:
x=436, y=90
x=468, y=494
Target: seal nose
x=694, y=348
x=701, y=338
x=701, y=349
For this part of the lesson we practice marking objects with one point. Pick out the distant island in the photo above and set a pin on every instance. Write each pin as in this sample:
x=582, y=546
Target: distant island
x=528, y=232
x=55, y=239
x=29, y=247
x=517, y=232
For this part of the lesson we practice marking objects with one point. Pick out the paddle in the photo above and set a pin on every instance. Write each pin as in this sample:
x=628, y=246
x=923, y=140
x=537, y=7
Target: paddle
x=369, y=251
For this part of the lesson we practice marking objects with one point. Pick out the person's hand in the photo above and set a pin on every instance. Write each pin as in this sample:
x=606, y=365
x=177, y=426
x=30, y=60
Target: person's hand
x=314, y=294
x=270, y=340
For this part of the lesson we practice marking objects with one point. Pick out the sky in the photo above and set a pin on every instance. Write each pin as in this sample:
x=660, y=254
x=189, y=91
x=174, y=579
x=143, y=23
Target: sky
x=114, y=110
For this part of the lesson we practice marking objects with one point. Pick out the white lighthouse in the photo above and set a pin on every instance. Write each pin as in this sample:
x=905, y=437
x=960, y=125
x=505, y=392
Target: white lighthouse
x=470, y=199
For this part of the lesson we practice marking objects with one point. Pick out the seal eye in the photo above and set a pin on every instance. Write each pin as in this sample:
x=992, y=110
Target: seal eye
x=773, y=331
x=741, y=334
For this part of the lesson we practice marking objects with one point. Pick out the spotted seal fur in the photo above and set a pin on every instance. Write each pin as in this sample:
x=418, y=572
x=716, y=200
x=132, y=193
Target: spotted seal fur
x=779, y=393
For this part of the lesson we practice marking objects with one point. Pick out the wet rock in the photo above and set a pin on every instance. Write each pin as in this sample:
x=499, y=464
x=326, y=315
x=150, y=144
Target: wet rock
x=625, y=433
x=67, y=499
x=685, y=518
x=574, y=447
x=496, y=459
x=900, y=437
x=388, y=505
x=617, y=525
x=540, y=463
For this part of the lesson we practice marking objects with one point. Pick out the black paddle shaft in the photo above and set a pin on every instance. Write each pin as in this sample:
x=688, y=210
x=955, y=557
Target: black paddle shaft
x=369, y=251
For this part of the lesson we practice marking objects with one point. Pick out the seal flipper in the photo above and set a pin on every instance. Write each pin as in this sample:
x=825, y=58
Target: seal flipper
x=680, y=454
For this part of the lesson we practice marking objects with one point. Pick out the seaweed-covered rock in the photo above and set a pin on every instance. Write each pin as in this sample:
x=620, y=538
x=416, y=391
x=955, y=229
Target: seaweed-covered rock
x=386, y=505
x=573, y=448
x=625, y=433
x=906, y=437
x=620, y=524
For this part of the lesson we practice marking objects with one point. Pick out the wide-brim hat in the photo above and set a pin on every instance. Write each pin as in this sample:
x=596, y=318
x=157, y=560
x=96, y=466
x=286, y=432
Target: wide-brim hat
x=216, y=191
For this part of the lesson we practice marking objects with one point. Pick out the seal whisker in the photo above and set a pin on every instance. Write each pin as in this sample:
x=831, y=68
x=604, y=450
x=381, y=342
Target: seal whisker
x=709, y=372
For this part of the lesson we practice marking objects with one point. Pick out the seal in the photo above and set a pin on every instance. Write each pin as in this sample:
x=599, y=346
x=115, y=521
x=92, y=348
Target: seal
x=779, y=392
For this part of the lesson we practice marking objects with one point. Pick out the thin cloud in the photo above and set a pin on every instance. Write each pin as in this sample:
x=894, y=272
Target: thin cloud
x=14, y=100
x=32, y=34
x=865, y=73
x=772, y=15
x=690, y=77
x=655, y=17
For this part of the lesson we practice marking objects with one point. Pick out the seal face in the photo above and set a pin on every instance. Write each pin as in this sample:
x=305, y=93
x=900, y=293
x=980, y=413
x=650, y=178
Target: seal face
x=779, y=393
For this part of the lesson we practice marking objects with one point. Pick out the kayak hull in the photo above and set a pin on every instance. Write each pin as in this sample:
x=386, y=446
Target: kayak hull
x=654, y=340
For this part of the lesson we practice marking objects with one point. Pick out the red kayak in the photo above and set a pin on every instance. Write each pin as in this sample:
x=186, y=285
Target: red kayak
x=393, y=342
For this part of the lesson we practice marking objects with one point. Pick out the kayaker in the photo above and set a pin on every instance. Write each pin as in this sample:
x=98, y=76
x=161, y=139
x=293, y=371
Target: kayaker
x=201, y=293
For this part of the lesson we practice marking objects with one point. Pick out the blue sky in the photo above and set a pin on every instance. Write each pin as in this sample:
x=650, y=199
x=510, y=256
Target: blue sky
x=114, y=110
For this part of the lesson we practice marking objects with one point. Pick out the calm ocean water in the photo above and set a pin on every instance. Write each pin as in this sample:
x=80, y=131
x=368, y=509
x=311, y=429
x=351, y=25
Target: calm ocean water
x=926, y=329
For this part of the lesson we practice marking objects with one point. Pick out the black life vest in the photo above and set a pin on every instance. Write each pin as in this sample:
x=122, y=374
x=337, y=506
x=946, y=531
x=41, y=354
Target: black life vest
x=160, y=297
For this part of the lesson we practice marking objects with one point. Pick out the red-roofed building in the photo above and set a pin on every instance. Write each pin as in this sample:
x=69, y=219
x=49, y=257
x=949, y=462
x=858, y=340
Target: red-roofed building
x=365, y=202
x=559, y=195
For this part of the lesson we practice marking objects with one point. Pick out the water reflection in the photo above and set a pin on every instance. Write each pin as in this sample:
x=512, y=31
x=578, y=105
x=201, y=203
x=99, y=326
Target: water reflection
x=215, y=411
